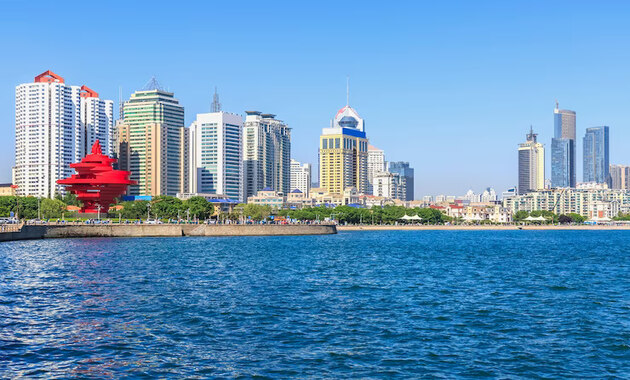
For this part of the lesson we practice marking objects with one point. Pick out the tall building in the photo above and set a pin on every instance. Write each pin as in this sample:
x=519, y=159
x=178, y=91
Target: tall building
x=596, y=155
x=375, y=164
x=300, y=177
x=55, y=124
x=563, y=162
x=266, y=154
x=531, y=164
x=216, y=154
x=152, y=141
x=620, y=177
x=97, y=120
x=389, y=185
x=343, y=153
x=405, y=171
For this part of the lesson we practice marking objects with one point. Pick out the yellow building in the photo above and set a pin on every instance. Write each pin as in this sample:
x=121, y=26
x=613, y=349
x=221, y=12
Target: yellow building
x=7, y=189
x=531, y=165
x=152, y=143
x=343, y=153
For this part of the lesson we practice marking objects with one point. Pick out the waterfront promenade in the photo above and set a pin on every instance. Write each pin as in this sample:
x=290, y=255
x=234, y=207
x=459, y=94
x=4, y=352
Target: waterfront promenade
x=489, y=227
x=46, y=231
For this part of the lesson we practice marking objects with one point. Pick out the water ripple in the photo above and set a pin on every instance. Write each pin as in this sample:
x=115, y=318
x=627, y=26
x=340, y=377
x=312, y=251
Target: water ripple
x=435, y=304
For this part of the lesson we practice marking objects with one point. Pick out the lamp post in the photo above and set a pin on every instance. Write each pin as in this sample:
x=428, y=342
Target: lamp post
x=98, y=212
x=39, y=212
x=148, y=211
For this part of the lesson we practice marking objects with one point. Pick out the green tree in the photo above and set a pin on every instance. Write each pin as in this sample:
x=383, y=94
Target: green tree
x=134, y=209
x=26, y=207
x=165, y=206
x=199, y=207
x=7, y=204
x=52, y=208
x=256, y=212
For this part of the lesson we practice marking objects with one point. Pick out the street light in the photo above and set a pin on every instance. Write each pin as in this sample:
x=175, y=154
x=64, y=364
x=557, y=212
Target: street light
x=148, y=211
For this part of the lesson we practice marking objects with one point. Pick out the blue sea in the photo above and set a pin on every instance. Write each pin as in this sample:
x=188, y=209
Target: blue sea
x=366, y=304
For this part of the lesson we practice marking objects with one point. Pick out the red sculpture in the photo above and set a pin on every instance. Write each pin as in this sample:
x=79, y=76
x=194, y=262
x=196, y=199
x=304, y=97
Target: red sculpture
x=96, y=182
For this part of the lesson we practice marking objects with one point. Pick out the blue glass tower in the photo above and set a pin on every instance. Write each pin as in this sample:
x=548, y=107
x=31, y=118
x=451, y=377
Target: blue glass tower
x=404, y=170
x=596, y=155
x=563, y=162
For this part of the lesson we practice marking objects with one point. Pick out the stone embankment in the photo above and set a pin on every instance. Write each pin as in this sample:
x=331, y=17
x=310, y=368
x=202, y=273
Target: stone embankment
x=164, y=230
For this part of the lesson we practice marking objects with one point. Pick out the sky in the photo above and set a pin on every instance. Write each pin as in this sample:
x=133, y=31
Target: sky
x=450, y=86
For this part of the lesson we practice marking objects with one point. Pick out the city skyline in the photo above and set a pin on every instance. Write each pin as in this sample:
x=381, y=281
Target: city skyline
x=412, y=98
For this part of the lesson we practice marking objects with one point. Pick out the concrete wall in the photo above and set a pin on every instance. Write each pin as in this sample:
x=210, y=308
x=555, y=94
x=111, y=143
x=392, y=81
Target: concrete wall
x=163, y=230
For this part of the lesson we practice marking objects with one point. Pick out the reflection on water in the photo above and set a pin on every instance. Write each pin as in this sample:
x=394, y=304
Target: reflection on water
x=358, y=304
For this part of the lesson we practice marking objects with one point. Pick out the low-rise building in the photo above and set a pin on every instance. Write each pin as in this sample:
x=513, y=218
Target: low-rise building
x=7, y=189
x=588, y=202
x=268, y=197
x=298, y=199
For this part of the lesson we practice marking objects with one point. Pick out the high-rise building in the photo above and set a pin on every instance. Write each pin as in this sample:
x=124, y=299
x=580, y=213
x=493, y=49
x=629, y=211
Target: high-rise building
x=619, y=176
x=300, y=177
x=152, y=141
x=215, y=153
x=596, y=155
x=389, y=185
x=531, y=164
x=375, y=164
x=55, y=124
x=97, y=120
x=563, y=162
x=343, y=153
x=266, y=154
x=406, y=172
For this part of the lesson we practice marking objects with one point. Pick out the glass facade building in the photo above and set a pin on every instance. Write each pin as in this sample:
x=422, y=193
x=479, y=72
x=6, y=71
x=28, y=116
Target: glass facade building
x=404, y=170
x=563, y=161
x=596, y=155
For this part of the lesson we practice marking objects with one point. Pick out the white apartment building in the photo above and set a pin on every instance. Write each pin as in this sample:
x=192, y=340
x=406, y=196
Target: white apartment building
x=97, y=119
x=266, y=154
x=389, y=185
x=215, y=150
x=592, y=203
x=301, y=177
x=375, y=164
x=52, y=124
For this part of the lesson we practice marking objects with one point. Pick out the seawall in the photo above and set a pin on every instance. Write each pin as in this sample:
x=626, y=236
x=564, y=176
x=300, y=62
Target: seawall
x=164, y=230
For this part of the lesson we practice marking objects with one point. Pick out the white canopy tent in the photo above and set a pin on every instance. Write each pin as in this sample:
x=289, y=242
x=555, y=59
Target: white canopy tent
x=535, y=219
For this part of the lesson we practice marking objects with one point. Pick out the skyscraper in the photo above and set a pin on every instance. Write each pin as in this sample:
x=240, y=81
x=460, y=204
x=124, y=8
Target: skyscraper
x=531, y=164
x=215, y=154
x=54, y=122
x=619, y=177
x=375, y=164
x=97, y=120
x=563, y=162
x=152, y=142
x=343, y=153
x=596, y=155
x=407, y=173
x=300, y=177
x=266, y=154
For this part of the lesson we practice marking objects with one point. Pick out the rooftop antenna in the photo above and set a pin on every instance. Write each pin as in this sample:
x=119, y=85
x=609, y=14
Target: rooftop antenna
x=556, y=103
x=152, y=84
x=215, y=106
x=348, y=90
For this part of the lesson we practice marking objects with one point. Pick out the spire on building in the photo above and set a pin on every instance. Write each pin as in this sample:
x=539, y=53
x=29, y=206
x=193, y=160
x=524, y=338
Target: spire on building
x=215, y=106
x=152, y=84
x=531, y=136
x=557, y=105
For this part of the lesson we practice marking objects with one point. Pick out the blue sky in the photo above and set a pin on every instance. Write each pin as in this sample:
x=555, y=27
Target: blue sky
x=451, y=87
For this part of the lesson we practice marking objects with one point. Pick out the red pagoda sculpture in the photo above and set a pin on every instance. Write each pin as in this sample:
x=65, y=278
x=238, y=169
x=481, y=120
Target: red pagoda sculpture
x=96, y=183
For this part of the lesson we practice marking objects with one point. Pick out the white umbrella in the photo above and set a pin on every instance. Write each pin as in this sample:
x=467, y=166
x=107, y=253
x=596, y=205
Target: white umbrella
x=415, y=217
x=406, y=217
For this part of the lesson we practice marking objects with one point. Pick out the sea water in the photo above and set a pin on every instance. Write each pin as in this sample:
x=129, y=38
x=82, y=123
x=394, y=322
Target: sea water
x=365, y=304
